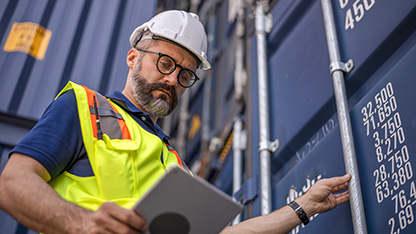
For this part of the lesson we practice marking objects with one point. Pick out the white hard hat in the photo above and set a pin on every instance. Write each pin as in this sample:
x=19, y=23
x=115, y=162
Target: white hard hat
x=179, y=27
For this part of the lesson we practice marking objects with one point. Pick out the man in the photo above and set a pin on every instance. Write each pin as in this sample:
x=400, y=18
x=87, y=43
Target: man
x=90, y=158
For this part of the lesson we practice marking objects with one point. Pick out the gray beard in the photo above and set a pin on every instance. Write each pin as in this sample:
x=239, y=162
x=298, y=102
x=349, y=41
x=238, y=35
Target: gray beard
x=156, y=106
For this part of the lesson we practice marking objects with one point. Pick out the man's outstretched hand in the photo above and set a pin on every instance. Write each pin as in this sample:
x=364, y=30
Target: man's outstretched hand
x=323, y=196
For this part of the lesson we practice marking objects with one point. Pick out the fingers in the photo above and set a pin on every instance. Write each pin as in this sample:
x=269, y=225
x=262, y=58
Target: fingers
x=104, y=224
x=341, y=197
x=340, y=187
x=116, y=219
x=327, y=186
x=340, y=184
x=336, y=184
x=131, y=218
x=340, y=180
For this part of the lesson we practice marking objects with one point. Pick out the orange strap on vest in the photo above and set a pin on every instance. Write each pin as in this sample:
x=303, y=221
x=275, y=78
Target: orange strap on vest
x=180, y=163
x=111, y=121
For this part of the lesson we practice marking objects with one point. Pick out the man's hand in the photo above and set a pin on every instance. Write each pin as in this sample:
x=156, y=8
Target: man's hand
x=111, y=218
x=320, y=198
x=323, y=195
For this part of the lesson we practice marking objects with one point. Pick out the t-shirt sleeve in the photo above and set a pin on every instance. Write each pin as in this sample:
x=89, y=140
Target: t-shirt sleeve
x=56, y=140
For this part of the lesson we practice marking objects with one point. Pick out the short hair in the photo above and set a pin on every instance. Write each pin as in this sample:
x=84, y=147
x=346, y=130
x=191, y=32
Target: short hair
x=145, y=42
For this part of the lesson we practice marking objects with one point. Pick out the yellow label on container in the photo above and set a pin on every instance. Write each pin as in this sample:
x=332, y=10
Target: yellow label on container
x=29, y=38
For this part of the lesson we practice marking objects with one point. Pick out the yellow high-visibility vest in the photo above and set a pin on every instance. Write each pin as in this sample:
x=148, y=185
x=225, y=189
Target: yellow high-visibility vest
x=125, y=158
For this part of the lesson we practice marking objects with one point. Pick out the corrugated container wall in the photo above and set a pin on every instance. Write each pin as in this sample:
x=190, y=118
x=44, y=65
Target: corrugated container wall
x=380, y=98
x=45, y=44
x=379, y=36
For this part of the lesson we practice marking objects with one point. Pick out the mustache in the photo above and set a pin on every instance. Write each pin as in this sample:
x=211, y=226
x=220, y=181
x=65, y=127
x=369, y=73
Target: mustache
x=155, y=86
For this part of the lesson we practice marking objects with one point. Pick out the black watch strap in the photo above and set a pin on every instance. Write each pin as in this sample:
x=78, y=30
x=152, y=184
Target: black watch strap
x=300, y=212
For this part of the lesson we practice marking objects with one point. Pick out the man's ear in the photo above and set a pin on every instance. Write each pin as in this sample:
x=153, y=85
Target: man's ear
x=131, y=57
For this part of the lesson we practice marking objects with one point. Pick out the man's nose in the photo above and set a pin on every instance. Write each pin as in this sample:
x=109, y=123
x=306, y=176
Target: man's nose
x=172, y=78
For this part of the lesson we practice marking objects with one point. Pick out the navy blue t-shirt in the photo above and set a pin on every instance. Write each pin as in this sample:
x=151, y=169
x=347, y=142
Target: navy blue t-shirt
x=56, y=140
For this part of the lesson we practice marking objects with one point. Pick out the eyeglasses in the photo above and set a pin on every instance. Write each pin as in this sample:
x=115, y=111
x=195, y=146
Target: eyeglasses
x=166, y=65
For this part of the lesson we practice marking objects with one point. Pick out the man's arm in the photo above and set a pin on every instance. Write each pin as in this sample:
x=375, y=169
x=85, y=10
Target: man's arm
x=319, y=199
x=25, y=195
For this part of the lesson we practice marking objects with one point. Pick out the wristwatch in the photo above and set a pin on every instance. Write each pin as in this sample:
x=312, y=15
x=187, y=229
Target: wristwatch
x=300, y=212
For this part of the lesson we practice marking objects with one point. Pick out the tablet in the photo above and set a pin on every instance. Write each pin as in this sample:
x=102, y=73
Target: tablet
x=182, y=204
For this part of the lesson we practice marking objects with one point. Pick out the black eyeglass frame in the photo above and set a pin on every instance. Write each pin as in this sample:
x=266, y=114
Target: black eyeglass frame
x=192, y=81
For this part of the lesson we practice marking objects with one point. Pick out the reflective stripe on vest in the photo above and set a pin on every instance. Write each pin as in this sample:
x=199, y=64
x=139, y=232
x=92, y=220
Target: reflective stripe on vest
x=126, y=162
x=112, y=122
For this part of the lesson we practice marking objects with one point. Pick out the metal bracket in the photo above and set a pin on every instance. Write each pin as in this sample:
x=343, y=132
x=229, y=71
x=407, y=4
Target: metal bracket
x=271, y=146
x=340, y=66
x=214, y=144
x=269, y=23
x=263, y=25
